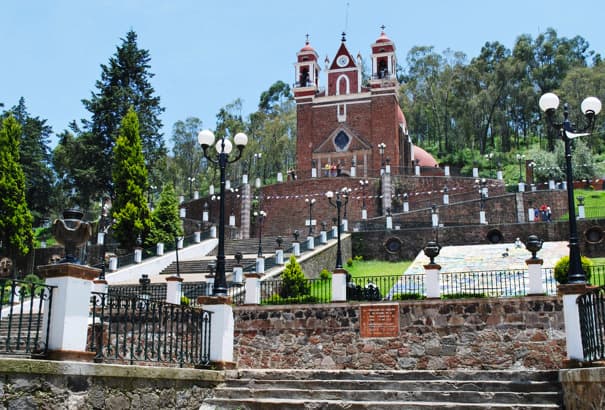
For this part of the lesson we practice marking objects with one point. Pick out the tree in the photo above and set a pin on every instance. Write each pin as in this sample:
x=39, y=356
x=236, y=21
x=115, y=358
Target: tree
x=165, y=222
x=294, y=283
x=16, y=232
x=35, y=160
x=130, y=179
x=187, y=155
x=124, y=83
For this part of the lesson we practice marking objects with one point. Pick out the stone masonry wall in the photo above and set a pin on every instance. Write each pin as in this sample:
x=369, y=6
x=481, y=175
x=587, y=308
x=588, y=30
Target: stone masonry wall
x=583, y=388
x=522, y=333
x=42, y=384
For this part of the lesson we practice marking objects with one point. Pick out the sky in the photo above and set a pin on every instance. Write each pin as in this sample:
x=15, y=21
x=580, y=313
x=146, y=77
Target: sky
x=205, y=54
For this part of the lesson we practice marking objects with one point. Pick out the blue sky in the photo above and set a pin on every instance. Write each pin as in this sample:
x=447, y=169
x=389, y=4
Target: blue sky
x=205, y=54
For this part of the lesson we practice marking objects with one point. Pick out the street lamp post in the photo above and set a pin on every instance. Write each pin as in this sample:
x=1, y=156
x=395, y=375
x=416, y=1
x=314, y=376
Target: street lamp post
x=364, y=211
x=191, y=181
x=341, y=199
x=520, y=158
x=310, y=202
x=381, y=148
x=591, y=106
x=257, y=157
x=489, y=158
x=223, y=148
x=261, y=217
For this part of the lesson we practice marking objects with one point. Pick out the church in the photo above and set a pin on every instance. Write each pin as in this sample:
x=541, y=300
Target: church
x=348, y=121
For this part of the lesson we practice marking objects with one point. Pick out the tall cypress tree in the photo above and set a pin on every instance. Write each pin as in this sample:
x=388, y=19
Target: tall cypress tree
x=124, y=83
x=130, y=179
x=16, y=231
x=165, y=222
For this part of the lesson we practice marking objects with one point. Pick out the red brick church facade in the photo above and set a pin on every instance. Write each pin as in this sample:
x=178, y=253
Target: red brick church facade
x=344, y=122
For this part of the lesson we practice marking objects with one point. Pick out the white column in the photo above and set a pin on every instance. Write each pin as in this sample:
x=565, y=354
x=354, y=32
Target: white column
x=447, y=170
x=310, y=242
x=581, y=212
x=353, y=172
x=571, y=316
x=323, y=237
x=417, y=170
x=238, y=274
x=182, y=212
x=345, y=225
x=521, y=186
x=313, y=172
x=339, y=285
x=222, y=331
x=179, y=243
x=245, y=179
x=196, y=194
x=231, y=220
x=70, y=306
x=260, y=264
x=534, y=274
x=482, y=219
x=211, y=190
x=138, y=255
x=279, y=256
x=181, y=199
x=159, y=249
x=475, y=172
x=364, y=214
x=197, y=237
x=113, y=263
x=530, y=214
x=213, y=231
x=446, y=199
x=389, y=222
x=406, y=206
x=280, y=177
x=173, y=289
x=431, y=277
x=252, y=288
x=551, y=184
x=296, y=248
x=499, y=175
x=334, y=232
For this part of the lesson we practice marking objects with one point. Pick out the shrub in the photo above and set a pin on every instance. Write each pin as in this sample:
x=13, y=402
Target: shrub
x=325, y=274
x=349, y=262
x=294, y=283
x=358, y=258
x=185, y=301
x=562, y=267
x=408, y=296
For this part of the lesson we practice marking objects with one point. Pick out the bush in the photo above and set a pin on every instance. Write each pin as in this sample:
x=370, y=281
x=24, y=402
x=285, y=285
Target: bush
x=325, y=274
x=349, y=262
x=562, y=267
x=294, y=283
x=408, y=296
x=184, y=301
x=358, y=258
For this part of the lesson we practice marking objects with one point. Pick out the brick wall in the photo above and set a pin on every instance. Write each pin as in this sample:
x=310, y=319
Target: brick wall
x=521, y=333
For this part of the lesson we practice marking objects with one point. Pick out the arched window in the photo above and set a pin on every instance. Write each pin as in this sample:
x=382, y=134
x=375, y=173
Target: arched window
x=342, y=85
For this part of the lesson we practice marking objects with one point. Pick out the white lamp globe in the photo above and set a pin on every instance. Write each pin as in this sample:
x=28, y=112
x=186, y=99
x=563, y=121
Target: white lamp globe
x=591, y=105
x=240, y=139
x=549, y=101
x=330, y=194
x=223, y=145
x=205, y=138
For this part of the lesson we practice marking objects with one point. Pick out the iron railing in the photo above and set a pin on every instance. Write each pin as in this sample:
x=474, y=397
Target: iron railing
x=154, y=291
x=496, y=283
x=591, y=307
x=128, y=329
x=280, y=292
x=597, y=275
x=386, y=287
x=22, y=327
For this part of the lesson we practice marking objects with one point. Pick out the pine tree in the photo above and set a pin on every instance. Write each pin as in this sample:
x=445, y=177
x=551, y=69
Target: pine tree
x=35, y=159
x=165, y=222
x=16, y=232
x=130, y=179
x=124, y=83
x=294, y=283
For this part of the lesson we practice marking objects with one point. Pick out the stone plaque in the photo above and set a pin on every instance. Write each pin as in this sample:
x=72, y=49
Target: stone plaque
x=379, y=320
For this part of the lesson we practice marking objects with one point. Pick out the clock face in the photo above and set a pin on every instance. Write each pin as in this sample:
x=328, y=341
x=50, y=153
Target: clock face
x=342, y=61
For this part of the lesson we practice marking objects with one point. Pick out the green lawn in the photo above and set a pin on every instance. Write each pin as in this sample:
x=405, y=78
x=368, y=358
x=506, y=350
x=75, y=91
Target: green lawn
x=594, y=203
x=361, y=269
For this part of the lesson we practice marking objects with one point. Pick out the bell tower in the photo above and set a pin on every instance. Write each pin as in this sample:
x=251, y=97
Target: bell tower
x=384, y=62
x=307, y=72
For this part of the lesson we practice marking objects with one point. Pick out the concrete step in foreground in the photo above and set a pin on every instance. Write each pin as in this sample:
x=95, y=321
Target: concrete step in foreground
x=327, y=390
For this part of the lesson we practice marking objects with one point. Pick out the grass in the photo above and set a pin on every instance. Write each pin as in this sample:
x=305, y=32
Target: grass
x=594, y=203
x=362, y=269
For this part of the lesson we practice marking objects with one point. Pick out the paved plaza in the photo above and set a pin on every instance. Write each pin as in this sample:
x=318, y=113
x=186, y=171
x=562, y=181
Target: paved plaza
x=502, y=256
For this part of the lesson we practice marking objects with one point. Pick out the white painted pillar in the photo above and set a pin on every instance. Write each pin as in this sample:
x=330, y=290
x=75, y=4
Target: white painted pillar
x=475, y=172
x=179, y=243
x=182, y=212
x=482, y=219
x=339, y=285
x=197, y=237
x=113, y=264
x=213, y=231
x=446, y=199
x=209, y=284
x=406, y=206
x=571, y=316
x=238, y=274
x=279, y=256
x=159, y=249
x=70, y=306
x=323, y=237
x=499, y=175
x=530, y=214
x=245, y=179
x=345, y=225
x=389, y=222
x=196, y=194
x=173, y=289
x=138, y=255
x=222, y=332
x=521, y=186
x=296, y=248
x=310, y=242
x=260, y=264
x=581, y=212
x=431, y=277
x=446, y=170
x=334, y=232
x=417, y=170
x=280, y=177
x=252, y=288
x=551, y=184
x=534, y=276
x=364, y=214
x=313, y=172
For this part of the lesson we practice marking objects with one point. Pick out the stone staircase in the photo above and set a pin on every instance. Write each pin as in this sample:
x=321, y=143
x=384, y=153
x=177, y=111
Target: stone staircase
x=376, y=390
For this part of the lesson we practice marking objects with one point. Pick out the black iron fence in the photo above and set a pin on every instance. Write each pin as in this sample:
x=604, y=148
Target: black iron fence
x=591, y=307
x=130, y=329
x=22, y=327
x=386, y=287
x=496, y=283
x=280, y=292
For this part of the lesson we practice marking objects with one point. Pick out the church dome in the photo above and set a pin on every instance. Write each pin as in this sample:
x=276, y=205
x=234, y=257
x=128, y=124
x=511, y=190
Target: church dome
x=383, y=38
x=401, y=118
x=307, y=47
x=424, y=158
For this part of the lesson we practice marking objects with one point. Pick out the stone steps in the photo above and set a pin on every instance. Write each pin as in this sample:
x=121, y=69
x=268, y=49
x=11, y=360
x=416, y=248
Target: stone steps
x=334, y=389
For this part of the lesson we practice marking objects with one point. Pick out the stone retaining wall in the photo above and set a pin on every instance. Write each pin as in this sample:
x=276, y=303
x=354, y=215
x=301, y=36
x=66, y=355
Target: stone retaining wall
x=512, y=333
x=583, y=388
x=42, y=384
